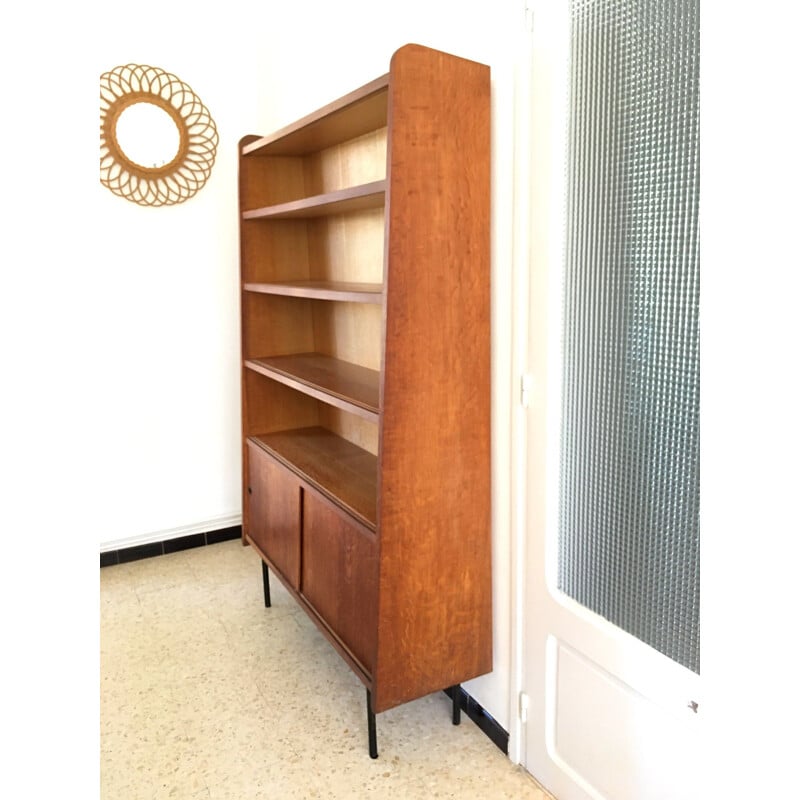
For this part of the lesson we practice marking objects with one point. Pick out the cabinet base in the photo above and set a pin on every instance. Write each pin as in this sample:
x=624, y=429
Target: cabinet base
x=265, y=576
x=454, y=692
x=372, y=734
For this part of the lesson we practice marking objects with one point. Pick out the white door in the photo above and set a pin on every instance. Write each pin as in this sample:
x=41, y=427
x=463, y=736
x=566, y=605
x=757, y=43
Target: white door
x=608, y=716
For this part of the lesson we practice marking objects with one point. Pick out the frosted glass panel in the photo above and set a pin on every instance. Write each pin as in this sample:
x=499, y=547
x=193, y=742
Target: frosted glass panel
x=629, y=515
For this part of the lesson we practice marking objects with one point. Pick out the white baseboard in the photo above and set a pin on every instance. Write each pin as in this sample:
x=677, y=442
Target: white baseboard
x=218, y=523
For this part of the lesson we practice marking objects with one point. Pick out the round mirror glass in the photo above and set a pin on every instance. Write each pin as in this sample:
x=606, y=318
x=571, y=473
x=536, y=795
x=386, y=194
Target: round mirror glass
x=147, y=135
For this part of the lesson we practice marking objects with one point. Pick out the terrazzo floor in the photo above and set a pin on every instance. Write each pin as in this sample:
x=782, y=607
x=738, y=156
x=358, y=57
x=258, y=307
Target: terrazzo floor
x=207, y=695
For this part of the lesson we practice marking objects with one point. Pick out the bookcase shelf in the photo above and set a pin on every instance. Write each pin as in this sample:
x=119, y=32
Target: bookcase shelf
x=341, y=201
x=341, y=291
x=343, y=472
x=350, y=387
x=360, y=112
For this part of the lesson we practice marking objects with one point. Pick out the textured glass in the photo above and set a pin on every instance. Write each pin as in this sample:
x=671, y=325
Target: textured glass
x=630, y=493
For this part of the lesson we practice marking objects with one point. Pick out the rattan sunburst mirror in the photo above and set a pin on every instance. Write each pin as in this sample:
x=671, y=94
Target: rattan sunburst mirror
x=158, y=141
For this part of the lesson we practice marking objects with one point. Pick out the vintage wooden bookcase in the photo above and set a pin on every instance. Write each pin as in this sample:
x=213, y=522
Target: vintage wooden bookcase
x=365, y=320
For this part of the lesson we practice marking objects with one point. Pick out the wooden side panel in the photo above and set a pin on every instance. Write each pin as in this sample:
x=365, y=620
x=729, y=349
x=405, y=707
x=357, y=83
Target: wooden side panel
x=274, y=511
x=340, y=576
x=274, y=250
x=265, y=180
x=271, y=406
x=435, y=617
x=274, y=326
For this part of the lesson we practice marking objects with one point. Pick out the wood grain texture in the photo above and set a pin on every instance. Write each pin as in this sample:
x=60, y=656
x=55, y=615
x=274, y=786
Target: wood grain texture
x=340, y=576
x=275, y=251
x=396, y=528
x=275, y=325
x=435, y=618
x=350, y=163
x=341, y=291
x=357, y=430
x=341, y=201
x=356, y=666
x=344, y=473
x=350, y=332
x=340, y=383
x=358, y=112
x=347, y=247
x=271, y=406
x=268, y=406
x=275, y=514
x=269, y=181
x=286, y=321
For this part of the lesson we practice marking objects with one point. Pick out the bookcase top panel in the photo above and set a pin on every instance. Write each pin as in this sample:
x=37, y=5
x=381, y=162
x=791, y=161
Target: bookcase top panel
x=353, y=115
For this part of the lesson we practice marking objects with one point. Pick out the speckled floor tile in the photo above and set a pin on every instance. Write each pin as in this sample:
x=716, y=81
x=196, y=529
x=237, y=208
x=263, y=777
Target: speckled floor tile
x=207, y=695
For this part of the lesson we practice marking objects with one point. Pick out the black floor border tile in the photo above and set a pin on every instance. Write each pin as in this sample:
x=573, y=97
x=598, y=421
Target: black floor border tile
x=224, y=535
x=485, y=721
x=184, y=543
x=141, y=551
x=128, y=554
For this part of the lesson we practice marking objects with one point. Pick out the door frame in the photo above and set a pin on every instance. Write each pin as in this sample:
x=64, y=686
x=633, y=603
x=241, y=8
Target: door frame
x=519, y=417
x=533, y=294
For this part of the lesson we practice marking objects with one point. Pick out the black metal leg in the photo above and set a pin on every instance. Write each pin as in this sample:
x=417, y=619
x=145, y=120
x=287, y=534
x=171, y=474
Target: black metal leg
x=265, y=575
x=373, y=736
x=456, y=690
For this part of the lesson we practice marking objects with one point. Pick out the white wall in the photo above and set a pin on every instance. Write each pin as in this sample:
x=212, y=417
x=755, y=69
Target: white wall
x=750, y=395
x=166, y=306
x=158, y=321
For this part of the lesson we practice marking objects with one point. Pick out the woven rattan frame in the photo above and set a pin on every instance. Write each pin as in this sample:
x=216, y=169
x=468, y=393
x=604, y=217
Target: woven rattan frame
x=189, y=170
